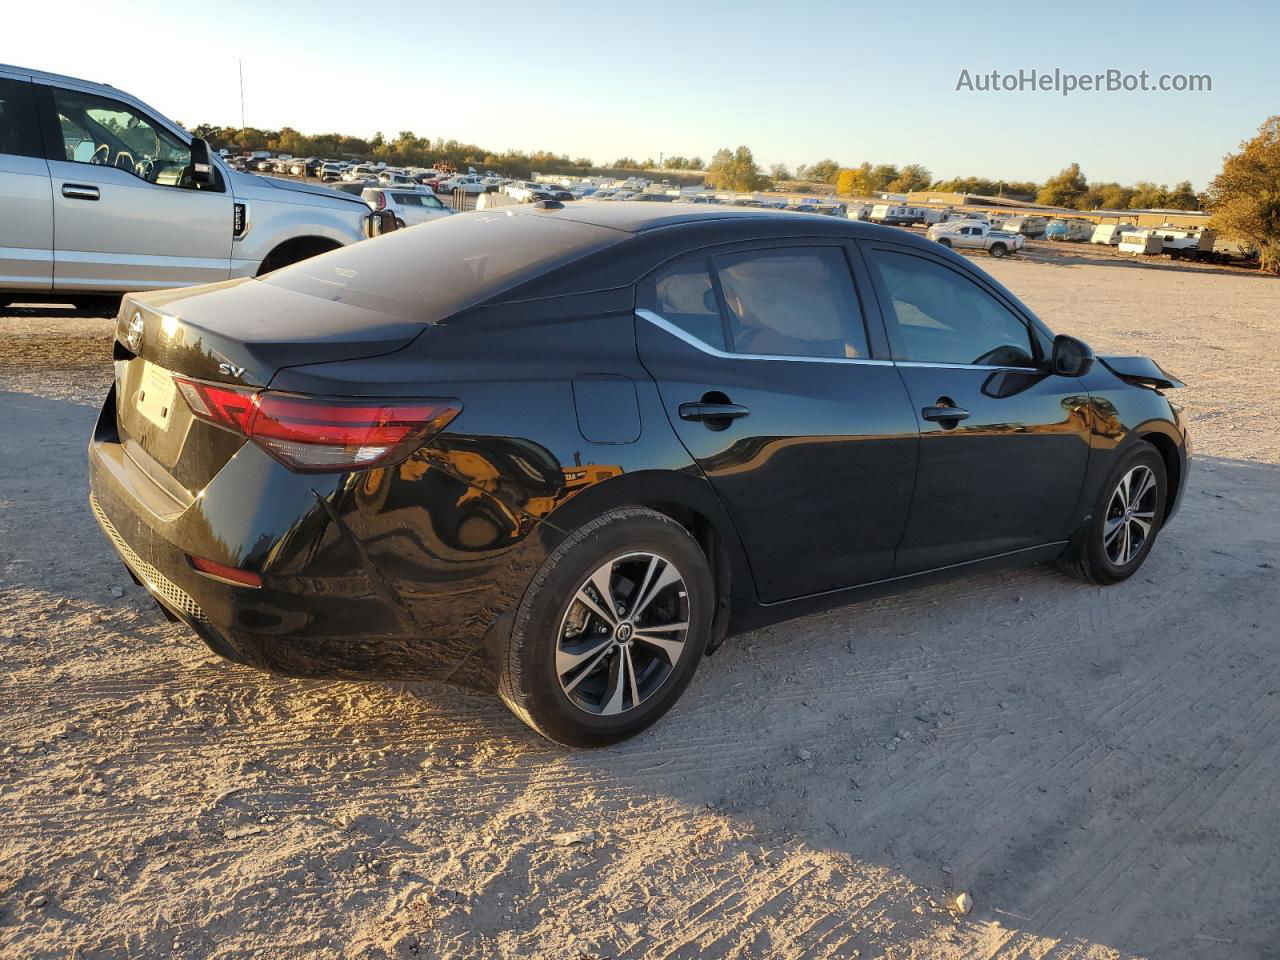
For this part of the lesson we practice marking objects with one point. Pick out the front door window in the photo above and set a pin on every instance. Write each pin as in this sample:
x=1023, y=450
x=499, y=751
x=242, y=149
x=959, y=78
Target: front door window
x=99, y=131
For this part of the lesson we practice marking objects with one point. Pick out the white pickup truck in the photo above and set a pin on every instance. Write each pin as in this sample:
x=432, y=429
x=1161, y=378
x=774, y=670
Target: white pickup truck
x=976, y=235
x=100, y=194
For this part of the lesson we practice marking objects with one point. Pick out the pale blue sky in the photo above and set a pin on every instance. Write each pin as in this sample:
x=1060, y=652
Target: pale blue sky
x=848, y=80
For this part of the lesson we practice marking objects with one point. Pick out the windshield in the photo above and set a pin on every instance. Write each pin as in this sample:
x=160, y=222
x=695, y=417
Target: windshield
x=431, y=274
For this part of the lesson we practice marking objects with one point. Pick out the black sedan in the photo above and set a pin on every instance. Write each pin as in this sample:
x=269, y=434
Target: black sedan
x=563, y=452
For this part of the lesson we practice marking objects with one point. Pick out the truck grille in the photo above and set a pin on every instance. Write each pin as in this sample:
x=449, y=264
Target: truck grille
x=170, y=592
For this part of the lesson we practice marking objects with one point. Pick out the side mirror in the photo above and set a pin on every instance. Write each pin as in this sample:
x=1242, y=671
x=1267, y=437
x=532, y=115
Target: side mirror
x=378, y=223
x=202, y=172
x=1071, y=357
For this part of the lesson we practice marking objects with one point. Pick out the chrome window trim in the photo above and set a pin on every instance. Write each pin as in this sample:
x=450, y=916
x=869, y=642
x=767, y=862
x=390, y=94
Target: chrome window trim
x=966, y=366
x=663, y=324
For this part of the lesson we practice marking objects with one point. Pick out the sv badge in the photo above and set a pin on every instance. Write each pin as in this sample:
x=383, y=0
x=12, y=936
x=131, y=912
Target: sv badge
x=230, y=370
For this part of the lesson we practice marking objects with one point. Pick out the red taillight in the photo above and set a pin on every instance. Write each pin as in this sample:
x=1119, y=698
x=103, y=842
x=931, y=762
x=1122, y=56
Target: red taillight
x=229, y=407
x=382, y=200
x=320, y=434
x=220, y=571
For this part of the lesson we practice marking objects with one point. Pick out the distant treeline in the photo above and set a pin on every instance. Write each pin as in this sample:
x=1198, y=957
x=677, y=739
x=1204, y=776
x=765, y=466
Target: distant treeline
x=1069, y=188
x=728, y=170
x=407, y=149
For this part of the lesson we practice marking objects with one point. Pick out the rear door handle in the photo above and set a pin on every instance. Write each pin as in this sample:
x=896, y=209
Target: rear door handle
x=945, y=414
x=712, y=411
x=79, y=191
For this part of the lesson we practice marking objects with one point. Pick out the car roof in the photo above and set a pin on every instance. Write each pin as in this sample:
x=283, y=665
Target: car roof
x=642, y=217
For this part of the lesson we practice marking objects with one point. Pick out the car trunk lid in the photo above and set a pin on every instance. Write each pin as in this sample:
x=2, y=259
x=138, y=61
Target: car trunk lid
x=239, y=332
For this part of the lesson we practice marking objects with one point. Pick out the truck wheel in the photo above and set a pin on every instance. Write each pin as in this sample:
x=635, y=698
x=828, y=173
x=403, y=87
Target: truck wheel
x=399, y=224
x=945, y=242
x=999, y=249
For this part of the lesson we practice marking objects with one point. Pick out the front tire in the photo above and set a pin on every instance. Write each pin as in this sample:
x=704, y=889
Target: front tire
x=945, y=242
x=610, y=631
x=1126, y=518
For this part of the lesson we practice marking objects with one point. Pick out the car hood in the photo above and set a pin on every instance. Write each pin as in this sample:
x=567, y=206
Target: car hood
x=1142, y=371
x=251, y=185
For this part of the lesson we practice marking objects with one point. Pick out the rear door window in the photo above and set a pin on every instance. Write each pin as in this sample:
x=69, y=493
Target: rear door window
x=17, y=119
x=683, y=294
x=792, y=301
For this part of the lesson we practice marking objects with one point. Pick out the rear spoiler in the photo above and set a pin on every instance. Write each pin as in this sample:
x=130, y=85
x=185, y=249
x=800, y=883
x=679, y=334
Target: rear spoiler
x=1141, y=370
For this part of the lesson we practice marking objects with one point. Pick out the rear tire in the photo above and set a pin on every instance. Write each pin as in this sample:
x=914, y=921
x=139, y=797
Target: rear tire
x=1126, y=518
x=999, y=249
x=583, y=675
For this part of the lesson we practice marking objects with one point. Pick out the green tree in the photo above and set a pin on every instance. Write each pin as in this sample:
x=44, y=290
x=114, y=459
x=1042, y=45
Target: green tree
x=780, y=172
x=735, y=170
x=1148, y=195
x=1109, y=196
x=824, y=171
x=1065, y=189
x=883, y=174
x=1244, y=198
x=911, y=177
x=1182, y=197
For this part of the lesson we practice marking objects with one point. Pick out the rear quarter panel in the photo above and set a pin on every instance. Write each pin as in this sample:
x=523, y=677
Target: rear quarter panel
x=514, y=473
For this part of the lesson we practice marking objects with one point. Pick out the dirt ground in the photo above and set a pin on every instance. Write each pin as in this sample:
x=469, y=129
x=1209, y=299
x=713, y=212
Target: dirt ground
x=1099, y=769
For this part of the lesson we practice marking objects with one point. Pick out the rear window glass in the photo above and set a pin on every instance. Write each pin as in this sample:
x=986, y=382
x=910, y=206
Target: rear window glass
x=428, y=275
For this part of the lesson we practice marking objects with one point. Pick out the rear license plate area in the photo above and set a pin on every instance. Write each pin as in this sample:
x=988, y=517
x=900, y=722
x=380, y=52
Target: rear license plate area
x=156, y=395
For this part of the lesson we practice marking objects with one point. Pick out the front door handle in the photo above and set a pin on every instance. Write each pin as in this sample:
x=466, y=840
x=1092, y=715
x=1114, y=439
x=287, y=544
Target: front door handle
x=79, y=191
x=944, y=414
x=712, y=412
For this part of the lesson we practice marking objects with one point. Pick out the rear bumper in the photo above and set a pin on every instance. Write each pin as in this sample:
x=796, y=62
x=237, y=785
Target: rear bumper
x=325, y=608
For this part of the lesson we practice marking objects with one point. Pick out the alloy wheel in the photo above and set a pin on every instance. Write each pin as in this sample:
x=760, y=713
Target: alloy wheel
x=1131, y=513
x=623, y=634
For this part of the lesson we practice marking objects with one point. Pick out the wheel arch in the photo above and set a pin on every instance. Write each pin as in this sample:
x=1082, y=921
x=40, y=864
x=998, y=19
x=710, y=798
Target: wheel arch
x=1168, y=450
x=690, y=501
x=295, y=249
